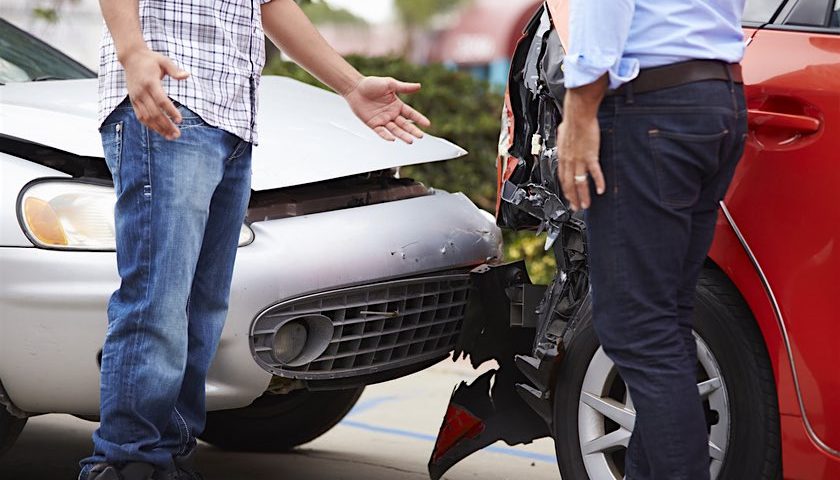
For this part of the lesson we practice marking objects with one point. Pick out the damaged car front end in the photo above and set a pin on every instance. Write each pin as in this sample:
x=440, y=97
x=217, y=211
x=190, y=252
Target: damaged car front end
x=524, y=328
x=346, y=273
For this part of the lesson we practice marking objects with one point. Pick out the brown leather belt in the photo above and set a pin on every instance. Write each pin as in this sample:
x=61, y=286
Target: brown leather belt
x=676, y=74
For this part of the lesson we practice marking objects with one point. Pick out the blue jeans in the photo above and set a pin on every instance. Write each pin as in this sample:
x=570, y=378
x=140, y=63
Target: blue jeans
x=180, y=207
x=668, y=157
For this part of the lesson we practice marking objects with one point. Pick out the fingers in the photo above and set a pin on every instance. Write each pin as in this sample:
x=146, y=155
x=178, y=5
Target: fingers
x=409, y=127
x=398, y=132
x=567, y=182
x=384, y=133
x=153, y=117
x=169, y=68
x=582, y=189
x=168, y=108
x=598, y=177
x=406, y=87
x=415, y=116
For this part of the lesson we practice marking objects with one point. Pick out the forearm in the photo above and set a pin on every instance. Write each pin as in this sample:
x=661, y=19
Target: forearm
x=581, y=104
x=289, y=28
x=123, y=20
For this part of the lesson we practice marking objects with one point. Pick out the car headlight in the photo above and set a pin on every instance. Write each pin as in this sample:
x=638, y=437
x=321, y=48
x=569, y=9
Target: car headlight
x=72, y=215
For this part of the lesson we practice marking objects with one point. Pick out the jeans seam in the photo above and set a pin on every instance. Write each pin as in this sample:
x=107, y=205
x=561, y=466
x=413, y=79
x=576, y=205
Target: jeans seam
x=238, y=150
x=137, y=325
x=184, y=433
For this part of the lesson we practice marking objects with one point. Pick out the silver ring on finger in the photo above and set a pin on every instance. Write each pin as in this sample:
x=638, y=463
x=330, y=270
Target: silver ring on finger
x=581, y=178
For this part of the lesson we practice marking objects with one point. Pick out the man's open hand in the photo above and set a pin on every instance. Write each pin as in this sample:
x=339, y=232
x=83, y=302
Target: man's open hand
x=374, y=100
x=579, y=143
x=144, y=70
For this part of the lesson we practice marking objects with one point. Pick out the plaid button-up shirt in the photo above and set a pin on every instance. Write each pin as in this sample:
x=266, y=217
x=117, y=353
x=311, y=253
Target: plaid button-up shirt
x=220, y=43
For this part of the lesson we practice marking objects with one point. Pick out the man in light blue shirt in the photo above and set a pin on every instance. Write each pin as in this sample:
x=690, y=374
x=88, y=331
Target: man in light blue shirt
x=655, y=120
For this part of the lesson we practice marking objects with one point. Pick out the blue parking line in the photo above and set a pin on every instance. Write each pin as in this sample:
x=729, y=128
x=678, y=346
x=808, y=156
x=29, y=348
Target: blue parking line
x=370, y=404
x=537, y=457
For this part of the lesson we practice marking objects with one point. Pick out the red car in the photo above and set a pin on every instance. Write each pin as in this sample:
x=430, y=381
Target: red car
x=768, y=302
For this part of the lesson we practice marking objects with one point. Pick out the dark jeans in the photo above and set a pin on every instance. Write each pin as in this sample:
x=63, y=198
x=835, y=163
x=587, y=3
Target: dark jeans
x=668, y=157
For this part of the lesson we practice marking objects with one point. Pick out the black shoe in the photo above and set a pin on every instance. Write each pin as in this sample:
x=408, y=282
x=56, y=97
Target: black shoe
x=129, y=471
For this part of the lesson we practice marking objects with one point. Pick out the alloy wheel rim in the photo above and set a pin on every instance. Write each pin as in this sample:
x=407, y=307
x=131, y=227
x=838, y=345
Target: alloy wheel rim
x=606, y=414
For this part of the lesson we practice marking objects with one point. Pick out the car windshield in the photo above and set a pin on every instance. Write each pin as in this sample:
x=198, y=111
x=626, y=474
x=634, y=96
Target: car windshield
x=24, y=58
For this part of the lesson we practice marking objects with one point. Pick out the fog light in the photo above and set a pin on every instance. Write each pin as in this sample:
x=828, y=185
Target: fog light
x=301, y=340
x=289, y=342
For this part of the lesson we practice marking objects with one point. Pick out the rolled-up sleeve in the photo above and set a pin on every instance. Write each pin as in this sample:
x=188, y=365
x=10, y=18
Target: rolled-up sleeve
x=598, y=31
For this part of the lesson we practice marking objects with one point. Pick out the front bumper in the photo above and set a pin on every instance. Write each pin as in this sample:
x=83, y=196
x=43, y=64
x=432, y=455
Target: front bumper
x=52, y=303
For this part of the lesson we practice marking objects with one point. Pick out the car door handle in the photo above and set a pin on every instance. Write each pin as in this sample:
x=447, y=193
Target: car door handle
x=800, y=123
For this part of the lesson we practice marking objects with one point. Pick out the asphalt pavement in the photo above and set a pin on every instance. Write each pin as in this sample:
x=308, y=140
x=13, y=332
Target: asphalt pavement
x=388, y=436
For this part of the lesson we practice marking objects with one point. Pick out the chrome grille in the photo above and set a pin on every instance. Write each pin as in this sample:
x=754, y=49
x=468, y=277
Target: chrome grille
x=377, y=327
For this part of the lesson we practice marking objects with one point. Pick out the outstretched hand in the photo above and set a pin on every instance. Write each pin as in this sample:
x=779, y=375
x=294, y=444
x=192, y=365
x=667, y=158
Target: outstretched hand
x=376, y=102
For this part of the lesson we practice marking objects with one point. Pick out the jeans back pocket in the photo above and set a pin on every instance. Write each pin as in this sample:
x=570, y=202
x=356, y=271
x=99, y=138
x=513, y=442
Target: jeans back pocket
x=682, y=161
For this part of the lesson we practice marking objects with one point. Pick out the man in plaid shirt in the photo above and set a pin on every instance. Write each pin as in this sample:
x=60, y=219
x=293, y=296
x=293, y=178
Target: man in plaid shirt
x=178, y=99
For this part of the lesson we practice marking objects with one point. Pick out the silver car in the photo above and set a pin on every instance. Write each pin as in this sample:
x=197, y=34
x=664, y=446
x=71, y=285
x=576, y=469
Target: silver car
x=346, y=274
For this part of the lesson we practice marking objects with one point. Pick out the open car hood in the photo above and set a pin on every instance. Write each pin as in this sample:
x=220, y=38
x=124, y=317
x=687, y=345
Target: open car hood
x=306, y=134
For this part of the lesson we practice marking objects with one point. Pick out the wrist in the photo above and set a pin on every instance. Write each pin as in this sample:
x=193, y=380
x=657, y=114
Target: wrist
x=349, y=84
x=127, y=52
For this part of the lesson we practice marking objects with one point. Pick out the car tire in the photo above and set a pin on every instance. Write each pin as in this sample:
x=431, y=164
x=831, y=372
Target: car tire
x=728, y=334
x=10, y=428
x=279, y=423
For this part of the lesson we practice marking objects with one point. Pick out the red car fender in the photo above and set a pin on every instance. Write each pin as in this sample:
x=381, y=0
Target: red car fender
x=802, y=457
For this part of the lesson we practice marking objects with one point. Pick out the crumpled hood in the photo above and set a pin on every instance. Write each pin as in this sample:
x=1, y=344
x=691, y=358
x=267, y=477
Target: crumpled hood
x=306, y=134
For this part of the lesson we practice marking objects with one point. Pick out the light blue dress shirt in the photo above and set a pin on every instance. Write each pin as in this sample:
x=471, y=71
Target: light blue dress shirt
x=623, y=36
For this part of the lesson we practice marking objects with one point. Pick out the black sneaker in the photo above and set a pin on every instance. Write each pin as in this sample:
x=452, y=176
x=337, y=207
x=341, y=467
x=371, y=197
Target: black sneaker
x=129, y=471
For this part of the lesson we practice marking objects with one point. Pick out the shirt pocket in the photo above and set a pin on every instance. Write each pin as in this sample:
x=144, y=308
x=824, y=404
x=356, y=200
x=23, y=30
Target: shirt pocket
x=112, y=144
x=682, y=161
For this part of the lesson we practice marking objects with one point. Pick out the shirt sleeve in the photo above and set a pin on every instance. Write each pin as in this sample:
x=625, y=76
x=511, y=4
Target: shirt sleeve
x=598, y=31
x=263, y=2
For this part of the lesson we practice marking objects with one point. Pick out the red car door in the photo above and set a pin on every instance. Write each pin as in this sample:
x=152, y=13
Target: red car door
x=785, y=197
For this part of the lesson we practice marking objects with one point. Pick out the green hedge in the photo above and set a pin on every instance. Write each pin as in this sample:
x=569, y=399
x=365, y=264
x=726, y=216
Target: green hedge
x=466, y=111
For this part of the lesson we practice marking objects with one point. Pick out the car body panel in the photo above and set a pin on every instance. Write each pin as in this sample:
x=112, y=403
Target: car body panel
x=53, y=313
x=15, y=173
x=793, y=235
x=784, y=200
x=307, y=134
x=801, y=457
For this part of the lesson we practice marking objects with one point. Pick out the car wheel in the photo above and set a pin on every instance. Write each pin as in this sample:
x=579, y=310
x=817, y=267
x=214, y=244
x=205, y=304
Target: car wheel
x=594, y=414
x=10, y=428
x=279, y=423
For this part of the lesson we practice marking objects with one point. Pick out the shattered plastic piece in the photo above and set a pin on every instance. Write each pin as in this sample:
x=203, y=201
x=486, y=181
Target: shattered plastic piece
x=458, y=424
x=536, y=144
x=504, y=322
x=480, y=415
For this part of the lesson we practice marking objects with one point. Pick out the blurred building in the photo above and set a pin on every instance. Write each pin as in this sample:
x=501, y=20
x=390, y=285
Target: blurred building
x=479, y=37
x=483, y=38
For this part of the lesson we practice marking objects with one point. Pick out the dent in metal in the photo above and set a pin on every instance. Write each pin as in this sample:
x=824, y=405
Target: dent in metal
x=783, y=329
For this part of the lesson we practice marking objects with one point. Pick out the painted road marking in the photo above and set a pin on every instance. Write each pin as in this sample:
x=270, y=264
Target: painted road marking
x=377, y=401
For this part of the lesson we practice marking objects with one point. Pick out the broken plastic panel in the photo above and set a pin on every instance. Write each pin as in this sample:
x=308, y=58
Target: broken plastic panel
x=525, y=328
